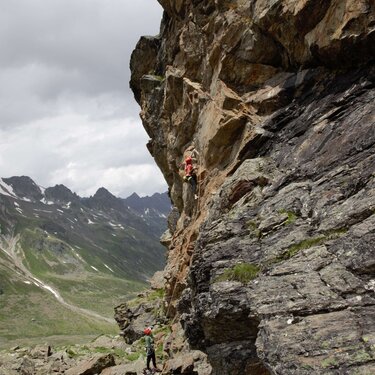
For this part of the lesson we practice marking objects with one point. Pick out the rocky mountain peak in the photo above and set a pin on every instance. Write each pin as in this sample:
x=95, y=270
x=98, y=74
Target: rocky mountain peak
x=103, y=193
x=158, y=202
x=134, y=197
x=60, y=193
x=103, y=199
x=24, y=187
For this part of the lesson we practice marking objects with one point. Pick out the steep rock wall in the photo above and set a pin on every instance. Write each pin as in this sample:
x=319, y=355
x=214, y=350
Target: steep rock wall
x=272, y=269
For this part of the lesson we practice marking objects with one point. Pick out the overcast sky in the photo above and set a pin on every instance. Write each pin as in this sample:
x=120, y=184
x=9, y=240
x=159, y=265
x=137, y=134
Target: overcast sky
x=67, y=115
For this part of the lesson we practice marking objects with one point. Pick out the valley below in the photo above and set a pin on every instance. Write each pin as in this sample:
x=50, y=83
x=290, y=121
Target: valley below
x=16, y=257
x=66, y=261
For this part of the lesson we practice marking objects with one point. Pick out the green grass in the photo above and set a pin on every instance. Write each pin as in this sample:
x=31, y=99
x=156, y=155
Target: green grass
x=132, y=356
x=76, y=351
x=308, y=243
x=329, y=362
x=335, y=233
x=97, y=247
x=305, y=244
x=254, y=231
x=165, y=330
x=292, y=217
x=40, y=253
x=149, y=296
x=57, y=341
x=159, y=350
x=156, y=294
x=28, y=313
x=97, y=293
x=242, y=272
x=153, y=296
x=38, y=314
x=296, y=248
x=77, y=282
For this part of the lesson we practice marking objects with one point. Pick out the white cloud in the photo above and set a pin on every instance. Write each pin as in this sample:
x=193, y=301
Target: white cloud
x=67, y=114
x=83, y=154
x=120, y=181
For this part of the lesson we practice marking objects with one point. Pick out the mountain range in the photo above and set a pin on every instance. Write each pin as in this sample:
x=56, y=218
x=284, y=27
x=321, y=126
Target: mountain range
x=82, y=255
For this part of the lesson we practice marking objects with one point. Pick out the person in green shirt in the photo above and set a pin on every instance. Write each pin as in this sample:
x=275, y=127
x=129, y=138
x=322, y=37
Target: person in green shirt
x=150, y=351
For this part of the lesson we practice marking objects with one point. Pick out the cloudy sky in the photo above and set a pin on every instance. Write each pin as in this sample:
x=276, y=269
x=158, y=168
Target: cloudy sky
x=67, y=115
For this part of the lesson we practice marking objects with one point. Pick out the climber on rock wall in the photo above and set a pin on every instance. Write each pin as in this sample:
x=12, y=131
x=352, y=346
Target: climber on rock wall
x=190, y=175
x=190, y=170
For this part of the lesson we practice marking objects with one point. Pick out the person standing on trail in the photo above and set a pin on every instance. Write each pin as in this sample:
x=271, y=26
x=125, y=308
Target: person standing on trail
x=150, y=351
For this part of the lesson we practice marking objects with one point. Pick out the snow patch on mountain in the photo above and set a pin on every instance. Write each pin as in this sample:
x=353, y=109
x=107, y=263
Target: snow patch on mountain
x=45, y=201
x=6, y=189
x=109, y=268
x=78, y=256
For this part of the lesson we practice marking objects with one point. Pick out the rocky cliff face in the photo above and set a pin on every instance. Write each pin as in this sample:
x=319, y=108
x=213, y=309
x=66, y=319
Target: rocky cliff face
x=271, y=270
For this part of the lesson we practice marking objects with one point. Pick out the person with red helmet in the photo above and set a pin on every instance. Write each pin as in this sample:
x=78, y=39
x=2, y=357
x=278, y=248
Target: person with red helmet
x=190, y=175
x=150, y=351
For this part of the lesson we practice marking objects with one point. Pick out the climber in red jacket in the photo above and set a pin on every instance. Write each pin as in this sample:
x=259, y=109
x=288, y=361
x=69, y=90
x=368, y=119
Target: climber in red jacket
x=190, y=175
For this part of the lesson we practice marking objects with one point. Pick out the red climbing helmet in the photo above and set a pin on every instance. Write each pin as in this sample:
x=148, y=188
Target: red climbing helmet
x=188, y=160
x=147, y=331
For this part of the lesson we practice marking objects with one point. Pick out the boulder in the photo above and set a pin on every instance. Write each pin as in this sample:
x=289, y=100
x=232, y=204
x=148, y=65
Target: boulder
x=133, y=368
x=92, y=366
x=157, y=281
x=41, y=352
x=133, y=320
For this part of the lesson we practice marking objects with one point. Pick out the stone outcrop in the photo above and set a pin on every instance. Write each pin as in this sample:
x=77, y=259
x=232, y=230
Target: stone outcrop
x=271, y=270
x=133, y=321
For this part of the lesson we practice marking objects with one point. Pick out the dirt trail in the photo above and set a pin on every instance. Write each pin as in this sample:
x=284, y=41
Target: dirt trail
x=9, y=246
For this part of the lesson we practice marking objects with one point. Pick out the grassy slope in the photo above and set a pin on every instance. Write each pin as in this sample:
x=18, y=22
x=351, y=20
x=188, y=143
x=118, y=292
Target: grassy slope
x=76, y=281
x=96, y=293
x=27, y=312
